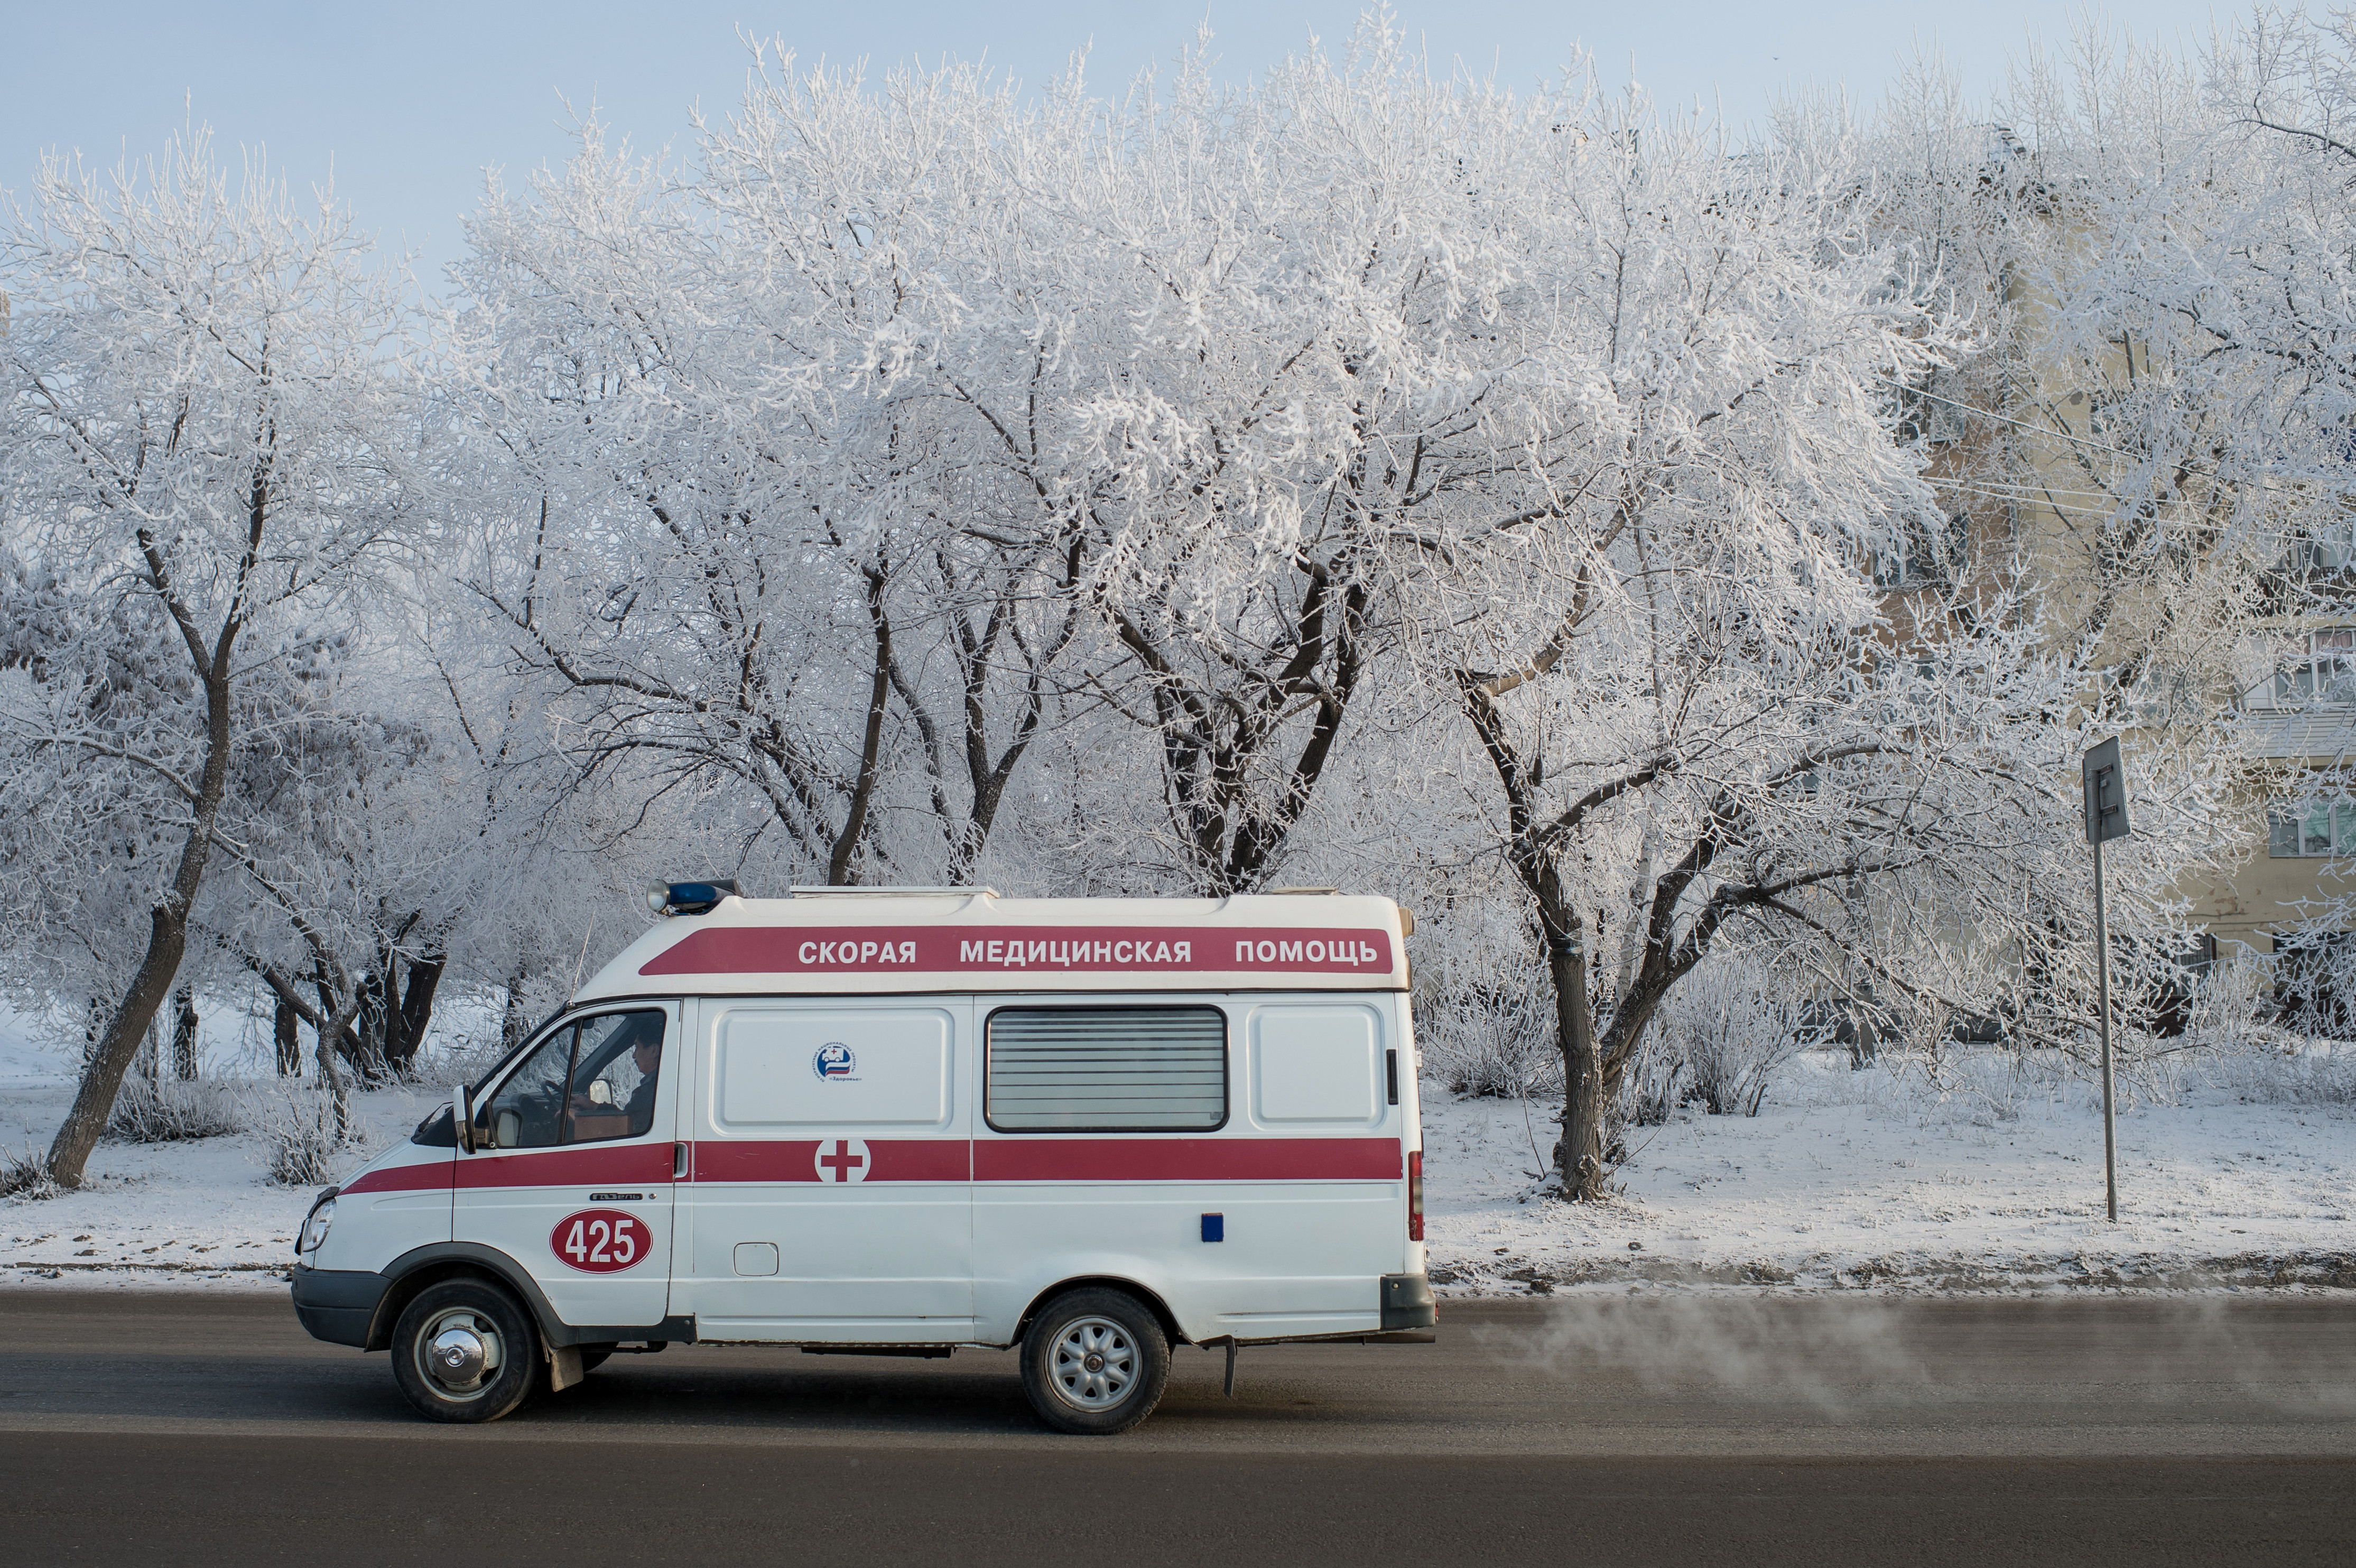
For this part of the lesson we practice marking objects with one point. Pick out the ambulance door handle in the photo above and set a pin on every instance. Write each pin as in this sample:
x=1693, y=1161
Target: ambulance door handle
x=1391, y=1073
x=679, y=1162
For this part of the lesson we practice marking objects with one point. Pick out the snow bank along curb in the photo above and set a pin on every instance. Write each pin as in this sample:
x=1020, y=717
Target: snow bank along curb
x=1911, y=1274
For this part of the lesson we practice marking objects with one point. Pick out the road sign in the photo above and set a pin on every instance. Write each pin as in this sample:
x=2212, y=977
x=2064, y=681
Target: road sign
x=2106, y=818
x=2106, y=793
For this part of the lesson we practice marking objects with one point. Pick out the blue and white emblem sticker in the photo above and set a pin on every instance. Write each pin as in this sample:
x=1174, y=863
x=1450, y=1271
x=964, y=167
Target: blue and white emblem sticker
x=833, y=1060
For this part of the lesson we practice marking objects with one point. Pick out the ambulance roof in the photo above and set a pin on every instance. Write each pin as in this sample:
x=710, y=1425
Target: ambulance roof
x=852, y=943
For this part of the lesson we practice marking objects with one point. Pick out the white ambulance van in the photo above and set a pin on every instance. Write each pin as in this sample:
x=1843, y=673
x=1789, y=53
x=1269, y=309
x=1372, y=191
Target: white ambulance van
x=902, y=1124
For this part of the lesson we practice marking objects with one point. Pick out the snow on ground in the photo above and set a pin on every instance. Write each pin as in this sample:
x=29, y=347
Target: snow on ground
x=179, y=1215
x=1844, y=1180
x=1861, y=1179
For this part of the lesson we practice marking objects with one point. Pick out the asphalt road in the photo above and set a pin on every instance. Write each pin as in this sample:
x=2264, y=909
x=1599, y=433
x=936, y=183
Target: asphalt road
x=1601, y=1431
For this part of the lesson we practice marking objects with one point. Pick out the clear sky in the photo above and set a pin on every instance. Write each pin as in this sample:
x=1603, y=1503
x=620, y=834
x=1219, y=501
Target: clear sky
x=409, y=102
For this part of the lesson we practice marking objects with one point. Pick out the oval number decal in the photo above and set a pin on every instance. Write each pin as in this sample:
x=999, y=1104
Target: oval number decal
x=600, y=1240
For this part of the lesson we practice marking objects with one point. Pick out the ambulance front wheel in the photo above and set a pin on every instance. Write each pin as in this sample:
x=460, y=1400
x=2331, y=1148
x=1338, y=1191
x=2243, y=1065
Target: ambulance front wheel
x=1095, y=1363
x=465, y=1350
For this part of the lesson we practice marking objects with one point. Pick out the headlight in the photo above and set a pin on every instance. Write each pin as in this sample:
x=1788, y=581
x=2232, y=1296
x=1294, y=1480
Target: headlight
x=315, y=1229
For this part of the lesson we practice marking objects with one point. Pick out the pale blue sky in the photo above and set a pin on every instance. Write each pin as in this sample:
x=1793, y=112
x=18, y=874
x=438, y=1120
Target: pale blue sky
x=411, y=102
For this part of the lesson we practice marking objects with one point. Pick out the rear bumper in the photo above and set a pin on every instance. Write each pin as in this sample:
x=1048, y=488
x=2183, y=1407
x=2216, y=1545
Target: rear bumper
x=1407, y=1303
x=337, y=1304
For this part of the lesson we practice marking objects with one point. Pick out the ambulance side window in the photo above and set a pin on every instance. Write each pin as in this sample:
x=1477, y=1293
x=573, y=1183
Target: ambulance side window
x=614, y=1076
x=1107, y=1069
x=527, y=1111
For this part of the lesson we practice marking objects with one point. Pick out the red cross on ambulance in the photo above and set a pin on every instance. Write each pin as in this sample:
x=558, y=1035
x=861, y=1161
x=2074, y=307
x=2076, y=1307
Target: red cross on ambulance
x=842, y=1159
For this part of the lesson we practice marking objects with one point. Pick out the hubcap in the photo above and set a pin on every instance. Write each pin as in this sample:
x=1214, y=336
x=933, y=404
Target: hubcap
x=1093, y=1364
x=459, y=1353
x=458, y=1356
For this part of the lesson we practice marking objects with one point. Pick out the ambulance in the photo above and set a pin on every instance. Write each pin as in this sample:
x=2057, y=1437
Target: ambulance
x=906, y=1123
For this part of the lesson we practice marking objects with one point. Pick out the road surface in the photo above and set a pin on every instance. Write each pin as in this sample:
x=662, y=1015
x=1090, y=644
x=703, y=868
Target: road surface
x=1577, y=1431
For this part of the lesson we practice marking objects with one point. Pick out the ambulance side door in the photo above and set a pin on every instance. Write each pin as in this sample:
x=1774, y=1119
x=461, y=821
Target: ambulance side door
x=572, y=1175
x=831, y=1195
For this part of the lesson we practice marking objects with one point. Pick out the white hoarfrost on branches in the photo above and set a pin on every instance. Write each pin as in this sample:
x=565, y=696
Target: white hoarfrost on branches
x=1687, y=573
x=207, y=417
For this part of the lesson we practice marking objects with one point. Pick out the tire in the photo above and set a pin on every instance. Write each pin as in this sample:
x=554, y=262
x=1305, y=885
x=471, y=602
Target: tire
x=1095, y=1363
x=476, y=1321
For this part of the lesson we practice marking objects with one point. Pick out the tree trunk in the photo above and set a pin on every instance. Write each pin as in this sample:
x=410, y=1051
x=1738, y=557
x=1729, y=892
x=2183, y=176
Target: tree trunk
x=340, y=1023
x=290, y=1049
x=94, y=1101
x=405, y=1025
x=513, y=1025
x=839, y=872
x=344, y=1034
x=370, y=1023
x=184, y=1033
x=167, y=933
x=1580, y=1153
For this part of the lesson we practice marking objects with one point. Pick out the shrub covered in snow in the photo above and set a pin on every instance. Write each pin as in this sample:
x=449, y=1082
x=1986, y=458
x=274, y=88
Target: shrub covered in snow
x=1718, y=1040
x=26, y=1174
x=1492, y=1038
x=150, y=1111
x=306, y=1135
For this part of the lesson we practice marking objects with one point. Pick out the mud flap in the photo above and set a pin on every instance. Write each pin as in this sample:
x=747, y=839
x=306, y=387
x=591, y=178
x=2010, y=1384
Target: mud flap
x=563, y=1366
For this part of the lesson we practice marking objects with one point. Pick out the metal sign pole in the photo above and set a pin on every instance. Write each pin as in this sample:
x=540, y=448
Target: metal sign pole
x=2103, y=989
x=2106, y=818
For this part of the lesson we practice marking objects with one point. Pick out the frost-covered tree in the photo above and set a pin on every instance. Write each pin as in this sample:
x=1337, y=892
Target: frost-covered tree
x=739, y=540
x=1726, y=698
x=205, y=417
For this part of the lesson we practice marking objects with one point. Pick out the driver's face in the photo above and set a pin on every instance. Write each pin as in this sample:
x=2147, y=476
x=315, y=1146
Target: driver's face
x=646, y=1053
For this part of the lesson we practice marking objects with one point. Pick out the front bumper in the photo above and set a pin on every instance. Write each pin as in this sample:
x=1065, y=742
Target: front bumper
x=1407, y=1303
x=337, y=1304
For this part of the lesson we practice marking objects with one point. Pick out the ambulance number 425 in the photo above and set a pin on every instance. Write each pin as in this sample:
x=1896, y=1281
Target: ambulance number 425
x=599, y=1241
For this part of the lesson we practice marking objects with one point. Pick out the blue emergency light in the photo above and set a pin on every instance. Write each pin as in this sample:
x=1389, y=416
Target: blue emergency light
x=690, y=898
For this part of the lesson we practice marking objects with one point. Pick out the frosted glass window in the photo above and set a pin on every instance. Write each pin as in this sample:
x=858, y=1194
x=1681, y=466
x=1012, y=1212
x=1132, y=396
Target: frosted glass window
x=1316, y=1064
x=1107, y=1069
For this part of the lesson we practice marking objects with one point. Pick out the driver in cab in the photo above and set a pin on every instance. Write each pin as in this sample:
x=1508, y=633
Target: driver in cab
x=595, y=1116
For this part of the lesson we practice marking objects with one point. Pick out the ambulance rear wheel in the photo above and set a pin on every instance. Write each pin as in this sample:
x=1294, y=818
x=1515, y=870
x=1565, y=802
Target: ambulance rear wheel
x=1095, y=1363
x=465, y=1350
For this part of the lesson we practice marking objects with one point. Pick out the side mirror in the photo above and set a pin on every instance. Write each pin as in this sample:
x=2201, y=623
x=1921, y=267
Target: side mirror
x=506, y=1130
x=462, y=1117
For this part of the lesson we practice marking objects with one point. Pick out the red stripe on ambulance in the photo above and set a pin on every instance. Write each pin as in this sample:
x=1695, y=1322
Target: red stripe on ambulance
x=1065, y=1159
x=796, y=1159
x=1186, y=1159
x=975, y=949
x=920, y=1159
x=404, y=1178
x=576, y=1166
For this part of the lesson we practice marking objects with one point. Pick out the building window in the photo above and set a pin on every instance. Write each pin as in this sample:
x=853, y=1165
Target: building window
x=1107, y=1069
x=2321, y=668
x=1926, y=549
x=2308, y=557
x=2310, y=829
x=2312, y=975
x=2160, y=696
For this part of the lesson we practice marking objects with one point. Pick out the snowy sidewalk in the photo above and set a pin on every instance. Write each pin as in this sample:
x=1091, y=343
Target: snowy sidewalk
x=1847, y=1180
x=175, y=1216
x=1851, y=1179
